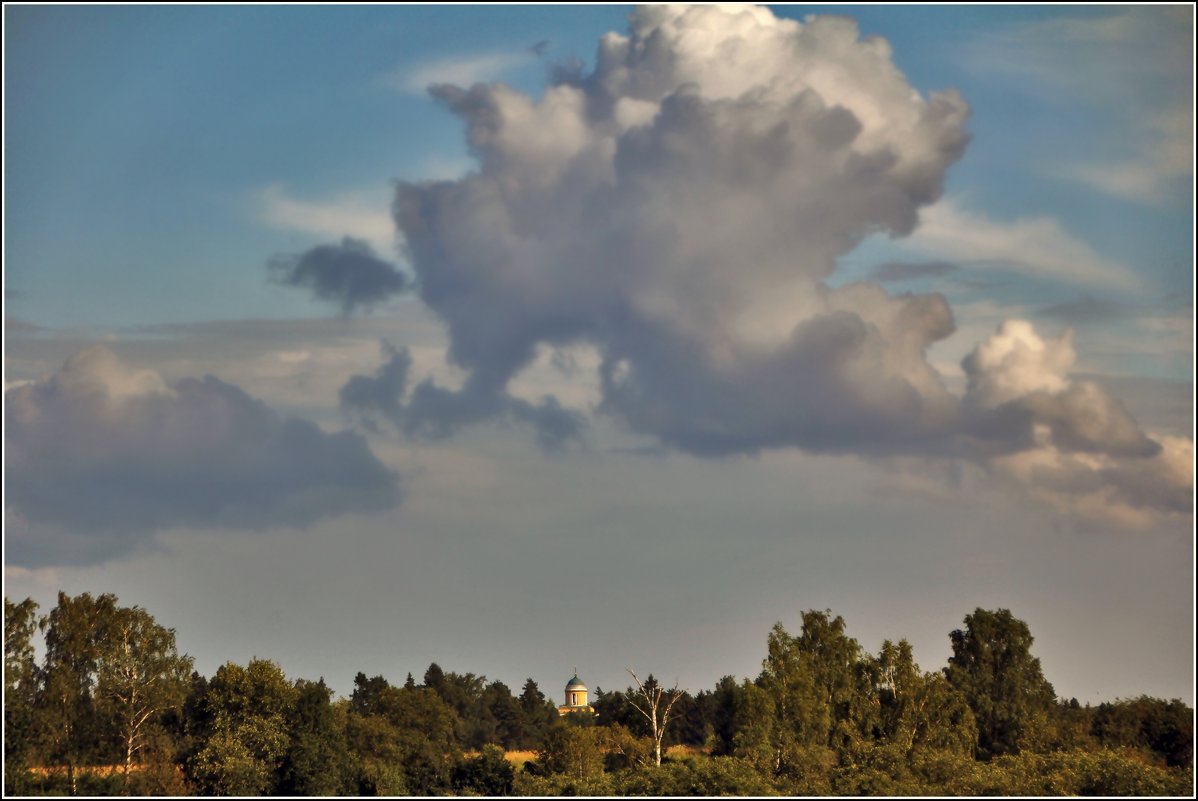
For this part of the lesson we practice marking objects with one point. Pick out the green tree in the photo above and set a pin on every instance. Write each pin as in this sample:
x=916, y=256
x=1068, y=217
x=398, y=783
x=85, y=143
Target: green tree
x=1072, y=723
x=428, y=727
x=434, y=679
x=725, y=700
x=613, y=709
x=993, y=667
x=507, y=713
x=247, y=737
x=464, y=694
x=379, y=750
x=488, y=774
x=838, y=710
x=819, y=683
x=757, y=736
x=317, y=760
x=20, y=691
x=1164, y=729
x=624, y=749
x=140, y=675
x=367, y=697
x=575, y=751
x=695, y=720
x=539, y=714
x=65, y=719
x=411, y=730
x=920, y=709
x=703, y=776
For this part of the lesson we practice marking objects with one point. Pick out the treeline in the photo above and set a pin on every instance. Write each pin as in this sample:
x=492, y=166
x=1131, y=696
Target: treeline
x=112, y=708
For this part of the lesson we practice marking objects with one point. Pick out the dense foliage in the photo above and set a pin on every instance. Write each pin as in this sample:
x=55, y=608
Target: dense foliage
x=112, y=708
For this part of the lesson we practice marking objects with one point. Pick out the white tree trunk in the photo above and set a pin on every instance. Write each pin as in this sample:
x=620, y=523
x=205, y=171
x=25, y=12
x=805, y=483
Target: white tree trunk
x=653, y=705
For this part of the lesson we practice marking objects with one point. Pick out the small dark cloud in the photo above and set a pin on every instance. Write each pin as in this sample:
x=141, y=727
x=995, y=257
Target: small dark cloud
x=436, y=412
x=1083, y=310
x=541, y=47
x=348, y=273
x=911, y=270
x=100, y=456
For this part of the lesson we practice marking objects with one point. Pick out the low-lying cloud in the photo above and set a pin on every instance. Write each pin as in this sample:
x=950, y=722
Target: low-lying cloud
x=100, y=455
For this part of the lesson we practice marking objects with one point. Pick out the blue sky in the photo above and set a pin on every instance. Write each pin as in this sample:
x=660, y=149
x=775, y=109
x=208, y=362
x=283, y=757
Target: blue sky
x=153, y=126
x=158, y=159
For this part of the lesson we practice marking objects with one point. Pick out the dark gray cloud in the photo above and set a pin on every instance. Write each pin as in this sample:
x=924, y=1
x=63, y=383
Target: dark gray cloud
x=435, y=412
x=99, y=456
x=348, y=273
x=911, y=270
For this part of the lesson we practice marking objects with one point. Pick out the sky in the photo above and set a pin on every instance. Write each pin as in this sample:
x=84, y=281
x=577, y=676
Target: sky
x=531, y=339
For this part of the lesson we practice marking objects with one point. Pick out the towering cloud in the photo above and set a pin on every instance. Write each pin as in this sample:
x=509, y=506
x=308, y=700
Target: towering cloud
x=680, y=209
x=100, y=455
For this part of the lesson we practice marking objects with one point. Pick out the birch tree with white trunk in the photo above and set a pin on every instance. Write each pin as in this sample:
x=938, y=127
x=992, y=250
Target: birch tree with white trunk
x=656, y=704
x=140, y=676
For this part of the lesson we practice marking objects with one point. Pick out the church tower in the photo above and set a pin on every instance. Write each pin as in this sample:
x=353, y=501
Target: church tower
x=576, y=697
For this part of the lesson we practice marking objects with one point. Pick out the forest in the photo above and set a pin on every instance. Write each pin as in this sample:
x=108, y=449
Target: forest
x=112, y=708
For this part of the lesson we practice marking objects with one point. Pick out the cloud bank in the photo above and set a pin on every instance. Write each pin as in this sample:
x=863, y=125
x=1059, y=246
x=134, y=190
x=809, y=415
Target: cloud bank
x=100, y=455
